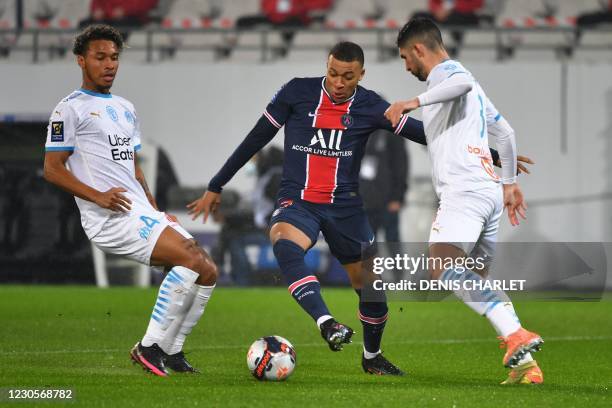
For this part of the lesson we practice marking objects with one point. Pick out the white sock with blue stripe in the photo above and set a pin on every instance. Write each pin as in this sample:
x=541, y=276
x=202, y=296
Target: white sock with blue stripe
x=175, y=336
x=484, y=302
x=173, y=301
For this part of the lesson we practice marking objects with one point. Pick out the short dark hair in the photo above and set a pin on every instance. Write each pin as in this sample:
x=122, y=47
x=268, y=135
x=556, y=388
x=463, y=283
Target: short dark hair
x=96, y=32
x=348, y=52
x=423, y=30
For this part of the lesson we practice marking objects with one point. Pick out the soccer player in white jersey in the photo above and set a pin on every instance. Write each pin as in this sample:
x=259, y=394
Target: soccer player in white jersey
x=97, y=134
x=458, y=117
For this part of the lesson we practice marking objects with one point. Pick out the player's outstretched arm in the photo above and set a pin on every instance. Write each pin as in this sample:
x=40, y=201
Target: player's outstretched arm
x=258, y=137
x=397, y=110
x=55, y=172
x=450, y=88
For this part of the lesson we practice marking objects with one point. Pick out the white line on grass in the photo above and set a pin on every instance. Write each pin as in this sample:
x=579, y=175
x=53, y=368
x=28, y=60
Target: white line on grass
x=318, y=344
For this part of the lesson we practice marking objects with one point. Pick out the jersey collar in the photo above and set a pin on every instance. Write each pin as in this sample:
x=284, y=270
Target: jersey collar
x=332, y=99
x=98, y=94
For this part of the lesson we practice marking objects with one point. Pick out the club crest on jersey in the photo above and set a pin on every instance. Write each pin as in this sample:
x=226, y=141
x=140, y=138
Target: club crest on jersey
x=129, y=117
x=57, y=131
x=112, y=113
x=347, y=120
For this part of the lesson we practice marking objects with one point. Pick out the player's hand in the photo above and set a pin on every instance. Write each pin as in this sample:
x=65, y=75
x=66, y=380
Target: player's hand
x=113, y=200
x=396, y=110
x=206, y=204
x=394, y=206
x=520, y=167
x=514, y=203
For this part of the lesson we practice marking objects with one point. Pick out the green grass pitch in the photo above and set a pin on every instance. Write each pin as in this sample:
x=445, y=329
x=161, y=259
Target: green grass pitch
x=79, y=337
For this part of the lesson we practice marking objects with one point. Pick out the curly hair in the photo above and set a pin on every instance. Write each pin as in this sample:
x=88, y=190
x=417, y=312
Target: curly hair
x=96, y=32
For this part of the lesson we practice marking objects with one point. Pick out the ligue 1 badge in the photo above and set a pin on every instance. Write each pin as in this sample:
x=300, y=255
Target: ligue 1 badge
x=347, y=120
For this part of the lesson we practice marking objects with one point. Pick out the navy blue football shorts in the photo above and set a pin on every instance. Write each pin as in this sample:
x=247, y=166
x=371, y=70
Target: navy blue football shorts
x=345, y=229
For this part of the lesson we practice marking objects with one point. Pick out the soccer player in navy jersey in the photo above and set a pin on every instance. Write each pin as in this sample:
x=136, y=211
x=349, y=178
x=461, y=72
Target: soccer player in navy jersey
x=327, y=123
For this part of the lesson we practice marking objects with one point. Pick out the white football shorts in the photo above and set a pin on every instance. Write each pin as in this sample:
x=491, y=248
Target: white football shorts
x=470, y=221
x=135, y=234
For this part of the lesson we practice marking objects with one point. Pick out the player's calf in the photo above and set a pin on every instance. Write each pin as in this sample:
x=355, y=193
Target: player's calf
x=192, y=305
x=373, y=317
x=303, y=286
x=199, y=261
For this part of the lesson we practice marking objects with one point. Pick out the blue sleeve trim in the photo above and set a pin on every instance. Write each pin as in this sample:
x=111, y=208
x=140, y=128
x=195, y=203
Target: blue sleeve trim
x=59, y=149
x=498, y=117
x=456, y=72
x=137, y=147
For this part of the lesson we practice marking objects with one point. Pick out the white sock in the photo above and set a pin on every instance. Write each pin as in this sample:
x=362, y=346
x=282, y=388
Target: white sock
x=173, y=301
x=484, y=302
x=527, y=357
x=322, y=320
x=502, y=320
x=369, y=355
x=174, y=339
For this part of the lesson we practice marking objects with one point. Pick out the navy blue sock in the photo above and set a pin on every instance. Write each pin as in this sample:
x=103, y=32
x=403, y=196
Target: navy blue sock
x=373, y=316
x=303, y=286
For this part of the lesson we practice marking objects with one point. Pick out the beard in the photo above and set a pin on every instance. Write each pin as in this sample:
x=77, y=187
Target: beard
x=98, y=82
x=420, y=74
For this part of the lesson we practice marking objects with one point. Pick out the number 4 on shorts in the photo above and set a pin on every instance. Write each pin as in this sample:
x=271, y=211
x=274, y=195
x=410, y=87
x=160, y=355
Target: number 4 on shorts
x=149, y=222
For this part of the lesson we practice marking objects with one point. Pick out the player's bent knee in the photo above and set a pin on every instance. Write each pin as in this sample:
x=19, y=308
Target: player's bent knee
x=205, y=267
x=284, y=231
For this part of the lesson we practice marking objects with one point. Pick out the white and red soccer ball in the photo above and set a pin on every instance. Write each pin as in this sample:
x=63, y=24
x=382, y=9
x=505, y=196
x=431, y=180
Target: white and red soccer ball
x=271, y=358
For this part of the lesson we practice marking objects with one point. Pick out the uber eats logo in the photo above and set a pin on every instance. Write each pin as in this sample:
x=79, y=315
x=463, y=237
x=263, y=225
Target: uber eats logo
x=121, y=146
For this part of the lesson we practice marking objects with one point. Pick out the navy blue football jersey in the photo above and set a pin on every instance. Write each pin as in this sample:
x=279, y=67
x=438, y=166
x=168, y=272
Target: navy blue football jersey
x=325, y=140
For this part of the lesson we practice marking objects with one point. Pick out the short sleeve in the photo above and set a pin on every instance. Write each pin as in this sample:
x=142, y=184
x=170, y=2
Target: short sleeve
x=61, y=131
x=447, y=70
x=136, y=135
x=279, y=108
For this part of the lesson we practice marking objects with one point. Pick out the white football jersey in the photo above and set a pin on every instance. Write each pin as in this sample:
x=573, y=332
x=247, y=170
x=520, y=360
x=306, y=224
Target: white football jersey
x=456, y=134
x=102, y=132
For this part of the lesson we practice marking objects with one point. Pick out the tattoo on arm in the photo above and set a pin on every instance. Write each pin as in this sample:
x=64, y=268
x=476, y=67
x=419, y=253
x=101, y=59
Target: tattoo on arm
x=144, y=185
x=143, y=182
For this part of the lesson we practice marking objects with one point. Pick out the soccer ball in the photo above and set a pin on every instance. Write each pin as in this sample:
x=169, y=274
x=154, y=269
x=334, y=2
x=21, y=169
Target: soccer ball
x=271, y=358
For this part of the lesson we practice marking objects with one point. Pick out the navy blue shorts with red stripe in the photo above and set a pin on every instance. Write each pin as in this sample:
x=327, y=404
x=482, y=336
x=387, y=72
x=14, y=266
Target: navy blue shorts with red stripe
x=345, y=228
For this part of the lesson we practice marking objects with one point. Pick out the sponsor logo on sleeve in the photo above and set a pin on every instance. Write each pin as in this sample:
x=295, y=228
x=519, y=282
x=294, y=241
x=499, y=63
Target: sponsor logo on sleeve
x=129, y=117
x=57, y=131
